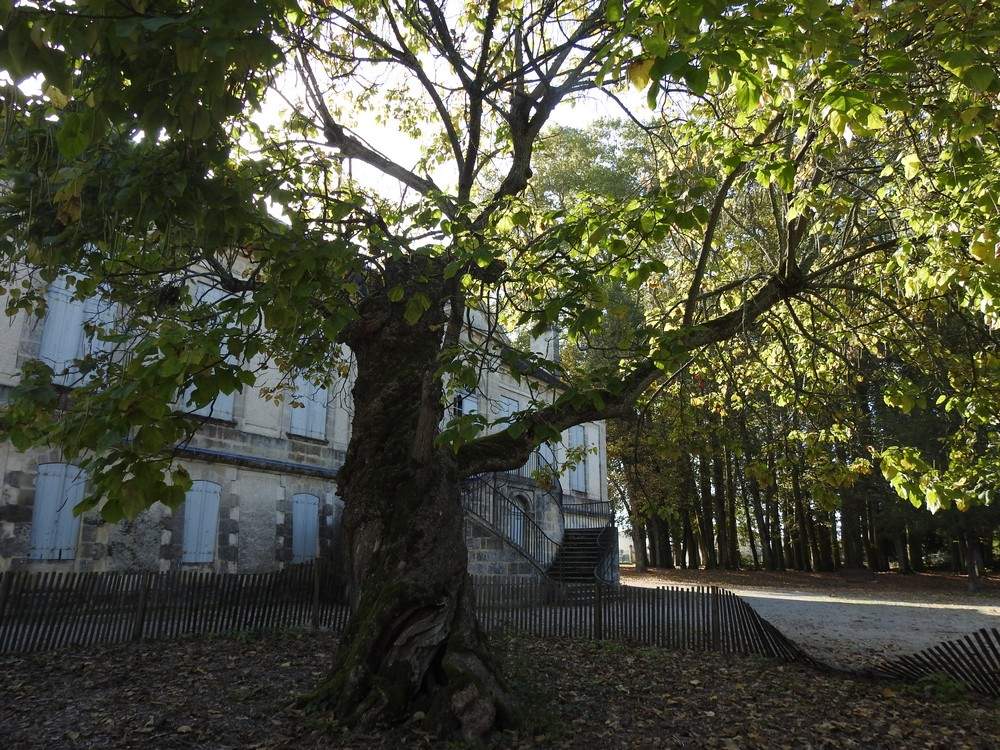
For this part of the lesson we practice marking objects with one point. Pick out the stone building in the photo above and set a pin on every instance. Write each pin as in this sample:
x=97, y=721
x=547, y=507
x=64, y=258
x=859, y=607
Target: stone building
x=264, y=491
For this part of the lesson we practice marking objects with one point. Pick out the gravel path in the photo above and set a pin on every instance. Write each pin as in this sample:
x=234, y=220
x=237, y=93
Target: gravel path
x=852, y=628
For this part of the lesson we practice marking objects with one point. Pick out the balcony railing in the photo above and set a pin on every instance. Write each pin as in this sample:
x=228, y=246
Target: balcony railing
x=539, y=469
x=587, y=515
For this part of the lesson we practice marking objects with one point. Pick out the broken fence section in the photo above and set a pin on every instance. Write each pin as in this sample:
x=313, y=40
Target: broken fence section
x=973, y=661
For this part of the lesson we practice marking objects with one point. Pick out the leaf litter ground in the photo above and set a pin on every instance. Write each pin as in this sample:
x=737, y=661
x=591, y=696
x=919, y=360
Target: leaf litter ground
x=238, y=691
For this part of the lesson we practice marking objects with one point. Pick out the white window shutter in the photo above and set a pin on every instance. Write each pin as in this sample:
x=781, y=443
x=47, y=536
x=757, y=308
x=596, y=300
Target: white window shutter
x=54, y=527
x=309, y=419
x=192, y=522
x=299, y=419
x=548, y=455
x=209, y=522
x=44, y=518
x=305, y=527
x=201, y=522
x=68, y=524
x=102, y=314
x=62, y=332
x=468, y=402
x=316, y=408
x=222, y=407
x=507, y=406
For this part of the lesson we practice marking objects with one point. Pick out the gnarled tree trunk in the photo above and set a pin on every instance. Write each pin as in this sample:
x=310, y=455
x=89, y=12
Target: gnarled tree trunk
x=413, y=643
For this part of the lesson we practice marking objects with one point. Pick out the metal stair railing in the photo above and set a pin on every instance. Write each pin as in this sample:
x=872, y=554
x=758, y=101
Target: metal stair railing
x=607, y=543
x=483, y=499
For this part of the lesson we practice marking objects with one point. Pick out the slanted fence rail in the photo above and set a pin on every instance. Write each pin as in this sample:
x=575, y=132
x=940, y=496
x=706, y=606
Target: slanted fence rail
x=974, y=661
x=42, y=611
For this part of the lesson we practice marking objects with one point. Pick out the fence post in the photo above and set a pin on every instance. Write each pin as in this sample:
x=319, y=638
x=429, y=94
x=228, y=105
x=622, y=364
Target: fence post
x=140, y=614
x=598, y=612
x=715, y=618
x=315, y=600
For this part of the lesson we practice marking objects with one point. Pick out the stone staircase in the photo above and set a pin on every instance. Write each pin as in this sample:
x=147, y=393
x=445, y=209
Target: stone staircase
x=588, y=545
x=578, y=557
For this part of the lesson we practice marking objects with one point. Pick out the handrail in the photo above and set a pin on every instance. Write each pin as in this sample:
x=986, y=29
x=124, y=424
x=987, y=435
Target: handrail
x=607, y=559
x=505, y=518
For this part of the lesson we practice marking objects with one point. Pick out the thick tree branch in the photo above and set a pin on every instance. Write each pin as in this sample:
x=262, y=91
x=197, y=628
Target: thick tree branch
x=511, y=447
x=352, y=148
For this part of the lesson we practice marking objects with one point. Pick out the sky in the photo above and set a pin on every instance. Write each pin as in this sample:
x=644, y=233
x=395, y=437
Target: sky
x=399, y=147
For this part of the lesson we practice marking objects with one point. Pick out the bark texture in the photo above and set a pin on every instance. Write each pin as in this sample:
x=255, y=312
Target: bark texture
x=413, y=643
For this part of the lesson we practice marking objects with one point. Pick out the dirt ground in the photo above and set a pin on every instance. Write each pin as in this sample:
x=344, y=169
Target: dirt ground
x=237, y=692
x=852, y=623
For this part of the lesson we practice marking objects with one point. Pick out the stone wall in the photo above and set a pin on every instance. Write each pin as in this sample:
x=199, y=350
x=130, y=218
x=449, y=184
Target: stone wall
x=254, y=527
x=491, y=556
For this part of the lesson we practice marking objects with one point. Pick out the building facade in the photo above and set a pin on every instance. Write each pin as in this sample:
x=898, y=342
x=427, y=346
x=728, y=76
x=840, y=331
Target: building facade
x=264, y=492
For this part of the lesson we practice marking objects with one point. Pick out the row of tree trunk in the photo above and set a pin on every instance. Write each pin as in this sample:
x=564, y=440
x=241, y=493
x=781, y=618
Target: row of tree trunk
x=722, y=504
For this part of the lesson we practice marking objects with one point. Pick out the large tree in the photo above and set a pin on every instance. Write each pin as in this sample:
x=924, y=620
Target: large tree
x=140, y=165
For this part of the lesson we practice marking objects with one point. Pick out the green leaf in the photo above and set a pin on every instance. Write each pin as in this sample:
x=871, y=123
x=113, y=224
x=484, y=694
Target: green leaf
x=75, y=133
x=978, y=78
x=697, y=79
x=416, y=306
x=911, y=165
x=747, y=94
x=155, y=24
x=590, y=318
x=638, y=72
x=396, y=293
x=785, y=176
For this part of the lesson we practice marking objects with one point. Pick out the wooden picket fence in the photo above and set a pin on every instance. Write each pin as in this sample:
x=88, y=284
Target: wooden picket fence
x=41, y=611
x=974, y=661
x=702, y=618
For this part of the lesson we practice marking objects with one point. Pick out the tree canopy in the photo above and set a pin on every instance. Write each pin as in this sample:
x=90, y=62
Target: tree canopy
x=798, y=161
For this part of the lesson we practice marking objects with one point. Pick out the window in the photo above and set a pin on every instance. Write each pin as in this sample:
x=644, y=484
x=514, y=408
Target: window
x=54, y=527
x=309, y=419
x=305, y=527
x=103, y=314
x=201, y=522
x=547, y=454
x=64, y=339
x=578, y=474
x=466, y=402
x=506, y=406
x=222, y=406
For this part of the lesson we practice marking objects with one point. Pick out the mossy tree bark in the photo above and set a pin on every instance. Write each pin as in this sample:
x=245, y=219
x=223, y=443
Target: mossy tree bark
x=413, y=643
